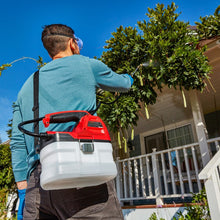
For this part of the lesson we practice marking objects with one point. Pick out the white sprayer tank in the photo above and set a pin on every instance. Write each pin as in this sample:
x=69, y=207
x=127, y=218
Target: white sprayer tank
x=73, y=164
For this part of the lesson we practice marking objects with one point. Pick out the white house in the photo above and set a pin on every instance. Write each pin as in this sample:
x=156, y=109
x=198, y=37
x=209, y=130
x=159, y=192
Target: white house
x=173, y=146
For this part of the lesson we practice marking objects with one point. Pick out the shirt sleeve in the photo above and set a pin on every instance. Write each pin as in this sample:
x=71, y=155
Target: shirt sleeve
x=107, y=79
x=18, y=147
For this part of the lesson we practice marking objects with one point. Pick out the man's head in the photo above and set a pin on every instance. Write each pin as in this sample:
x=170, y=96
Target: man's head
x=57, y=38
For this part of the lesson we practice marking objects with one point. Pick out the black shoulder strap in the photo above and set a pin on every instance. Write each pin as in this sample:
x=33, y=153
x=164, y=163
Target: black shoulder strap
x=36, y=104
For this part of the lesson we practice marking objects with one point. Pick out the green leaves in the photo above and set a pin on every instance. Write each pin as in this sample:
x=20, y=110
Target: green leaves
x=176, y=62
x=3, y=67
x=120, y=114
x=7, y=182
x=199, y=209
x=210, y=25
x=6, y=173
x=39, y=62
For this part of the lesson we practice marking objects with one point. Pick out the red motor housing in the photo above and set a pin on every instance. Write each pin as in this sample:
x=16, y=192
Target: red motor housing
x=88, y=127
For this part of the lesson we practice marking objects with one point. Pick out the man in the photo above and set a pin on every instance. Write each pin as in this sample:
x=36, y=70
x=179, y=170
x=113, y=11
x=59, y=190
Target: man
x=68, y=82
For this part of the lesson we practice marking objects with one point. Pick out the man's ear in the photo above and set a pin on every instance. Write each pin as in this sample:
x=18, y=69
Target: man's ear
x=74, y=46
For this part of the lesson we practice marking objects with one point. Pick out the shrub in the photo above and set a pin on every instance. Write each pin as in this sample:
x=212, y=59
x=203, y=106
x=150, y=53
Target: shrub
x=199, y=210
x=7, y=182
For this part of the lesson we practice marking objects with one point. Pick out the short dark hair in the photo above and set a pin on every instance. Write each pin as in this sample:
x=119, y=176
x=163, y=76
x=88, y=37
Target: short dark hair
x=55, y=38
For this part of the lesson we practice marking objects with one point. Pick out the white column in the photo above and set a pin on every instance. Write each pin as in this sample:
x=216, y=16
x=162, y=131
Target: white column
x=157, y=184
x=200, y=126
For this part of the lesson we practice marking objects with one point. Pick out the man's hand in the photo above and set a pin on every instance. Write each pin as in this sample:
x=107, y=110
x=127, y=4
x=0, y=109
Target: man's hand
x=131, y=79
x=22, y=184
x=21, y=194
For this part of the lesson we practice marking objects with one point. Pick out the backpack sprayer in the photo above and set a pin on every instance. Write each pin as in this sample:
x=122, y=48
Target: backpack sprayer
x=79, y=158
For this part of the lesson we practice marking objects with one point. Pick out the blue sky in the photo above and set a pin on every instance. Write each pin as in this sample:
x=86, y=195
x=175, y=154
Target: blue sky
x=93, y=21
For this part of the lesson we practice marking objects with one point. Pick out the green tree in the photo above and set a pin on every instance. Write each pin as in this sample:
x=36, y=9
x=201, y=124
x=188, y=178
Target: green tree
x=170, y=53
x=209, y=25
x=9, y=131
x=7, y=182
x=6, y=174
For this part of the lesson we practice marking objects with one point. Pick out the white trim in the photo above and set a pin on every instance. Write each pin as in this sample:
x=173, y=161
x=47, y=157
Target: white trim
x=210, y=167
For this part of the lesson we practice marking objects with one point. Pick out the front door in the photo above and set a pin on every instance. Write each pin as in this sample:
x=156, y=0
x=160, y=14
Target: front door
x=157, y=141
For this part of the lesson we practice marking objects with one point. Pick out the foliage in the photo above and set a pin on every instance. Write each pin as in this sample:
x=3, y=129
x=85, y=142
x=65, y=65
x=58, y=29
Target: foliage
x=122, y=114
x=199, y=210
x=9, y=131
x=7, y=182
x=154, y=217
x=3, y=197
x=175, y=48
x=171, y=58
x=39, y=61
x=210, y=25
x=4, y=67
x=6, y=173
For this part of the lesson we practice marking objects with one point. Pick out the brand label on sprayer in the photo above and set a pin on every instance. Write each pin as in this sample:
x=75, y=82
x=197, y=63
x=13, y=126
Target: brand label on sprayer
x=87, y=148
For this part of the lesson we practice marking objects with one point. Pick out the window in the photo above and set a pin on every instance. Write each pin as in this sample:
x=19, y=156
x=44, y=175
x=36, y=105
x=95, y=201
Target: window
x=180, y=136
x=157, y=141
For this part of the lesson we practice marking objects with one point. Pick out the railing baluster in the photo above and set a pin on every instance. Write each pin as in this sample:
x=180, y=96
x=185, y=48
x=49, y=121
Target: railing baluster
x=149, y=177
x=172, y=173
x=216, y=172
x=118, y=179
x=125, y=180
x=196, y=168
x=187, y=170
x=142, y=178
x=217, y=146
x=179, y=172
x=164, y=174
x=136, y=178
x=130, y=178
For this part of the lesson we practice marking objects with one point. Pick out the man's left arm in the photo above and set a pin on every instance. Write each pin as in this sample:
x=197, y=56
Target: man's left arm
x=109, y=80
x=18, y=148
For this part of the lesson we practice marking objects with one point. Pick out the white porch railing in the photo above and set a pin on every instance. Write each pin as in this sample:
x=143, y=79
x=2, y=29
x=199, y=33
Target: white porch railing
x=165, y=174
x=211, y=176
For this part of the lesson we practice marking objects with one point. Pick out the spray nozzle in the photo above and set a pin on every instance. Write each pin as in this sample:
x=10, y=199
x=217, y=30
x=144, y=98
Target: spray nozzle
x=146, y=64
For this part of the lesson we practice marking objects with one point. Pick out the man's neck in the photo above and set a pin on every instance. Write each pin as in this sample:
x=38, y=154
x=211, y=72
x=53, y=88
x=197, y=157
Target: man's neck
x=62, y=54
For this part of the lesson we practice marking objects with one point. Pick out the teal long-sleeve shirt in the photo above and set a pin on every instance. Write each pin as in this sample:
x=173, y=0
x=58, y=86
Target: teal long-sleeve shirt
x=67, y=83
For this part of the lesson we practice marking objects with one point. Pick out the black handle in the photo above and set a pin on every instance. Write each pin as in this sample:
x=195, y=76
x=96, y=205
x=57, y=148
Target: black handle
x=67, y=117
x=53, y=118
